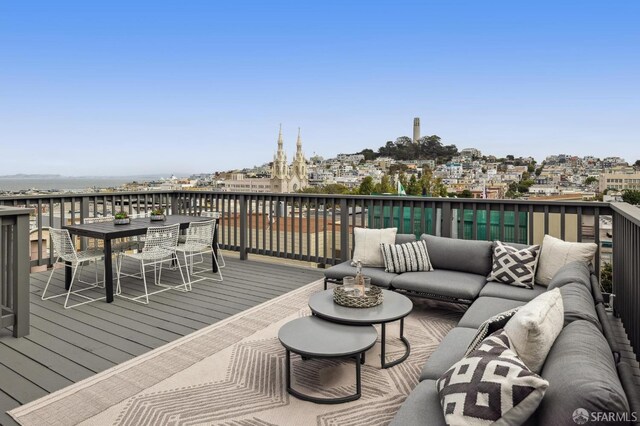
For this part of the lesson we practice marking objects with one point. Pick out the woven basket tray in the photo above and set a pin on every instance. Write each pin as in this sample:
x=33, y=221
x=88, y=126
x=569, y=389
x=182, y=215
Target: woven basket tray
x=373, y=298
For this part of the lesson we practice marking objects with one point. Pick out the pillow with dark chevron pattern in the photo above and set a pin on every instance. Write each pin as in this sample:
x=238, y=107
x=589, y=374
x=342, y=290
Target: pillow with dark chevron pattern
x=514, y=267
x=490, y=326
x=408, y=257
x=490, y=386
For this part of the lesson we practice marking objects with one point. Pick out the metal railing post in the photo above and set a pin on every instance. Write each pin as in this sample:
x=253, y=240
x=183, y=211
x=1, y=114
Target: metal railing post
x=447, y=219
x=21, y=260
x=344, y=231
x=243, y=227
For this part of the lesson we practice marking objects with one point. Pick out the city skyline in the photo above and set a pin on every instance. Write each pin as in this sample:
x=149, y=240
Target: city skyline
x=113, y=89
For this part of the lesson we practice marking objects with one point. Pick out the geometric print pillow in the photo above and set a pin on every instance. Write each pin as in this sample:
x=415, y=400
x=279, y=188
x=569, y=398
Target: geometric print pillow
x=408, y=257
x=513, y=266
x=490, y=326
x=489, y=385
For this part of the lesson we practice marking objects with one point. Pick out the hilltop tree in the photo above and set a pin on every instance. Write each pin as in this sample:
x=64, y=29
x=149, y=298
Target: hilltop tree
x=427, y=147
x=637, y=164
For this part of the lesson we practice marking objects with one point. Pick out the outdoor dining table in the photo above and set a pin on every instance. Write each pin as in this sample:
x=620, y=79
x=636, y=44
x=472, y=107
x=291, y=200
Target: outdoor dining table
x=108, y=231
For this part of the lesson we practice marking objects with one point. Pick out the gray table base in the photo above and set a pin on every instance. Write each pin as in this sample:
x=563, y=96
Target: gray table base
x=383, y=338
x=359, y=359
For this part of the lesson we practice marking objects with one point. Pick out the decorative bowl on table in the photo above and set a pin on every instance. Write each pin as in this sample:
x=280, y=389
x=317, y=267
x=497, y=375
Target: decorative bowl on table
x=344, y=297
x=157, y=215
x=121, y=218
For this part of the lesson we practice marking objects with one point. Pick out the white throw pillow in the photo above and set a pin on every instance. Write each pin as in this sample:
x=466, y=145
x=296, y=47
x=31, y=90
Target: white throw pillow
x=367, y=245
x=556, y=253
x=535, y=326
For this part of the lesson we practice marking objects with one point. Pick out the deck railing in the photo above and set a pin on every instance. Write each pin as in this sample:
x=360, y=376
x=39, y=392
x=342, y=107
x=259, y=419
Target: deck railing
x=319, y=228
x=14, y=270
x=626, y=269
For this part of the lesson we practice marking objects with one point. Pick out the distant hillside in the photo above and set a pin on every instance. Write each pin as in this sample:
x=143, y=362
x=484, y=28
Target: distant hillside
x=426, y=148
x=27, y=176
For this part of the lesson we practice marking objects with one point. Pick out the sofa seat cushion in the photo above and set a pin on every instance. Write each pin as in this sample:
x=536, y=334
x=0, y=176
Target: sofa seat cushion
x=484, y=308
x=421, y=407
x=578, y=304
x=457, y=285
x=459, y=255
x=451, y=350
x=505, y=291
x=581, y=374
x=378, y=276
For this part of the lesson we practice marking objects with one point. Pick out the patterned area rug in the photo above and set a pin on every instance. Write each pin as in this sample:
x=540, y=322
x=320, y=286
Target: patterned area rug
x=232, y=373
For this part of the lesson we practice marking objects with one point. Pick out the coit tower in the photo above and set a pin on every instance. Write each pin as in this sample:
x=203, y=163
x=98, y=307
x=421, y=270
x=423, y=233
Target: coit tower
x=416, y=129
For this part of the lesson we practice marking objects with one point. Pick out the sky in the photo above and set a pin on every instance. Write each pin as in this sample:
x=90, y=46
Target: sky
x=107, y=88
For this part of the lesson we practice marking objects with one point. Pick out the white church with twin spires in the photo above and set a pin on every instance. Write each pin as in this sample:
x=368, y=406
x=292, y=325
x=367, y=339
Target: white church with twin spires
x=285, y=178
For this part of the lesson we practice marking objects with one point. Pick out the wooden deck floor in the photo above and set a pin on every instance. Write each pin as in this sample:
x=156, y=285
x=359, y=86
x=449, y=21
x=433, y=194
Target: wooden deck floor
x=68, y=345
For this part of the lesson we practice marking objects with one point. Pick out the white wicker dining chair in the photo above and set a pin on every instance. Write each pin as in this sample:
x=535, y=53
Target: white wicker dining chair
x=160, y=247
x=199, y=241
x=216, y=216
x=65, y=252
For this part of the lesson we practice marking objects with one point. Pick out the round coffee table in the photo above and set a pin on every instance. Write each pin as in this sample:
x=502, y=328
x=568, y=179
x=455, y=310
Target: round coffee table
x=312, y=337
x=394, y=307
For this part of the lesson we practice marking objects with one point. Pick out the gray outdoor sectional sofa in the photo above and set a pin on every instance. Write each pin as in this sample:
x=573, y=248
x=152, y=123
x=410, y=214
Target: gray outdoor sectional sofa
x=584, y=368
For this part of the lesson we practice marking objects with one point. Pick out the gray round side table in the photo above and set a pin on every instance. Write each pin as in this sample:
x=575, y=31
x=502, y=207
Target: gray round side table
x=312, y=337
x=394, y=307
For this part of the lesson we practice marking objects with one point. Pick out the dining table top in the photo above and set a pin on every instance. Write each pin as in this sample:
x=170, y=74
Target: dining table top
x=138, y=226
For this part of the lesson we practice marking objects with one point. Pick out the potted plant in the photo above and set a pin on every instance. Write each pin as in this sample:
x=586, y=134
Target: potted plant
x=606, y=284
x=121, y=218
x=157, y=214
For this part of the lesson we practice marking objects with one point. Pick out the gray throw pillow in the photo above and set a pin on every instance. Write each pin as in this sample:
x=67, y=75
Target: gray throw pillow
x=514, y=267
x=408, y=257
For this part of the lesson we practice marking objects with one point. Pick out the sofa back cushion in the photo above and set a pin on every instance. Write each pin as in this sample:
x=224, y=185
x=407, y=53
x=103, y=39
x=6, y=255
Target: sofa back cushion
x=581, y=374
x=405, y=238
x=572, y=272
x=459, y=255
x=578, y=304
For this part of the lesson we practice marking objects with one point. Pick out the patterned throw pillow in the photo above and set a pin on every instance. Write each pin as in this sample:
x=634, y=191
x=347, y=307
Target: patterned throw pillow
x=490, y=326
x=490, y=384
x=408, y=257
x=514, y=267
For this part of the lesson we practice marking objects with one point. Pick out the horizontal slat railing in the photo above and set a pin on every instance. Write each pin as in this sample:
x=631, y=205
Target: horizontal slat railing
x=14, y=270
x=626, y=269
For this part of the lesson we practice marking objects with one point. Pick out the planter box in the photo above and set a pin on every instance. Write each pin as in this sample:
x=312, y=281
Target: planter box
x=157, y=217
x=121, y=221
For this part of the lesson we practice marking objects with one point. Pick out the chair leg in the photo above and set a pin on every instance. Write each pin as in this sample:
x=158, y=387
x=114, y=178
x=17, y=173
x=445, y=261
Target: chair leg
x=187, y=286
x=49, y=281
x=73, y=275
x=222, y=264
x=144, y=280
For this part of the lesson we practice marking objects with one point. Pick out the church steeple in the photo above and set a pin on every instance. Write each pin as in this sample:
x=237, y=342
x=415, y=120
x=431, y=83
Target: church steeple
x=280, y=169
x=299, y=165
